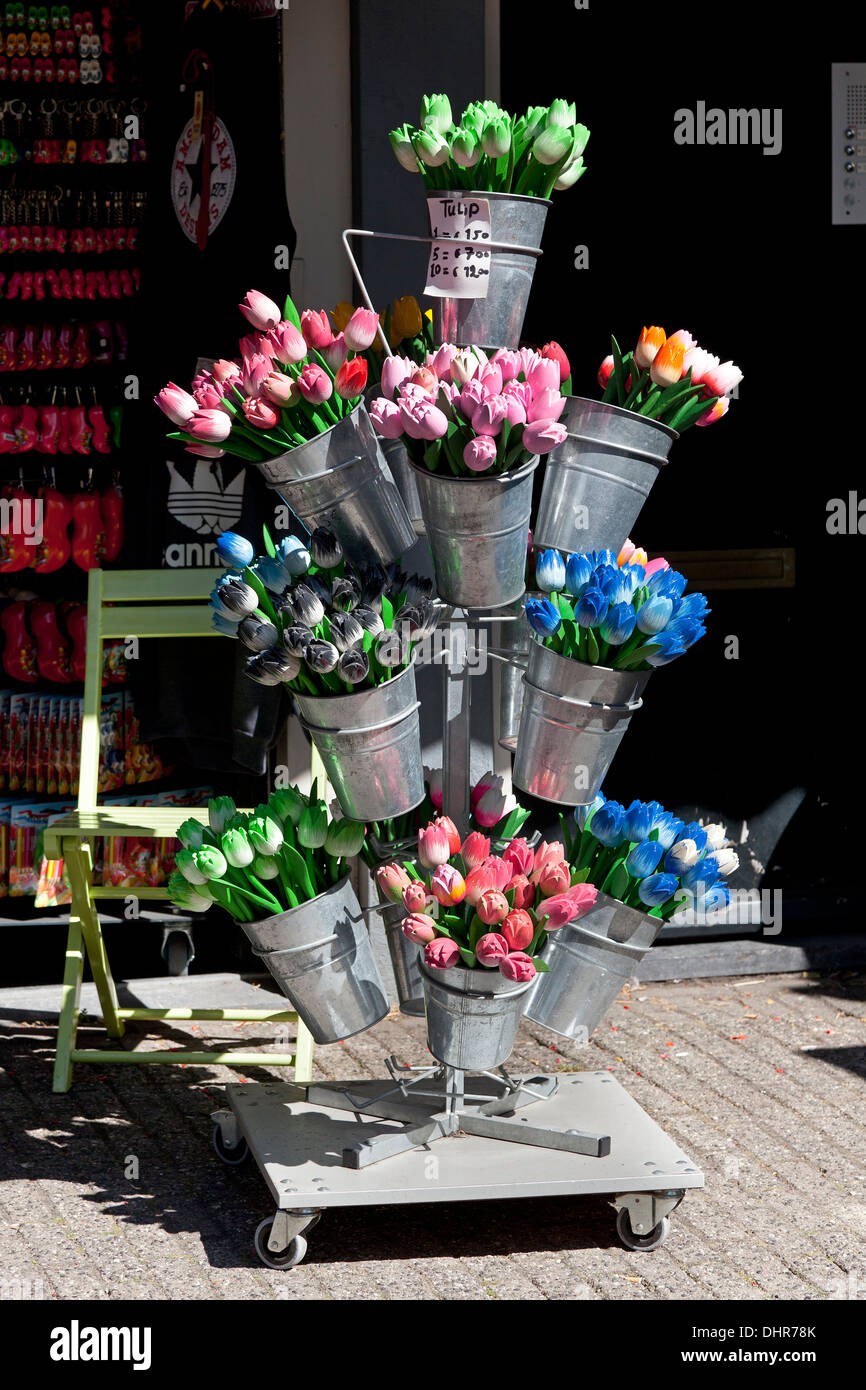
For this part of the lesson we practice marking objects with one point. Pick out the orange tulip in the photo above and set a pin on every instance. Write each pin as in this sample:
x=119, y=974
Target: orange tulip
x=667, y=365
x=648, y=344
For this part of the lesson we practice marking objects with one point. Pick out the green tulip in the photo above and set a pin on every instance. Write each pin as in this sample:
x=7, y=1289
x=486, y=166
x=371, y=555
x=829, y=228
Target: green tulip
x=220, y=810
x=344, y=839
x=265, y=867
x=465, y=149
x=474, y=118
x=570, y=175
x=430, y=148
x=186, y=896
x=265, y=834
x=561, y=113
x=237, y=848
x=496, y=139
x=436, y=113
x=401, y=144
x=313, y=826
x=191, y=834
x=534, y=120
x=186, y=864
x=210, y=861
x=581, y=140
x=287, y=804
x=552, y=145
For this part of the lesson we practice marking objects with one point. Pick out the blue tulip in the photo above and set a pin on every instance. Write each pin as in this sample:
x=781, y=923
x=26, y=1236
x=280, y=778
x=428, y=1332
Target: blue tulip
x=695, y=832
x=234, y=551
x=687, y=630
x=550, y=571
x=669, y=648
x=669, y=829
x=635, y=574
x=578, y=573
x=294, y=556
x=542, y=616
x=604, y=557
x=657, y=811
x=657, y=889
x=643, y=859
x=654, y=615
x=606, y=824
x=226, y=625
x=700, y=876
x=271, y=573
x=590, y=607
x=691, y=606
x=583, y=813
x=638, y=822
x=670, y=583
x=714, y=899
x=618, y=624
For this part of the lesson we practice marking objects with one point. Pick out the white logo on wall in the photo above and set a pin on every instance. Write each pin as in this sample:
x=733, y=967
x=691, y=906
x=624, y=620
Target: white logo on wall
x=206, y=506
x=187, y=177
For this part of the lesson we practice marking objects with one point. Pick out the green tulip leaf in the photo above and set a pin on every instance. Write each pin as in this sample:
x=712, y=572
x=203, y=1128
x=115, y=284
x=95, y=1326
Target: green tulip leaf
x=617, y=883
x=541, y=965
x=591, y=647
x=290, y=313
x=270, y=548
x=468, y=957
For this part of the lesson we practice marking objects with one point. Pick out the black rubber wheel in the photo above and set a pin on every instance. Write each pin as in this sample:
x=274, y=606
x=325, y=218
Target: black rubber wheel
x=232, y=1154
x=651, y=1241
x=178, y=953
x=278, y=1259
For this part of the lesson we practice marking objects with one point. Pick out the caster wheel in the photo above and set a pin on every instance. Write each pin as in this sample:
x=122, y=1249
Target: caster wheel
x=233, y=1154
x=177, y=954
x=278, y=1259
x=651, y=1241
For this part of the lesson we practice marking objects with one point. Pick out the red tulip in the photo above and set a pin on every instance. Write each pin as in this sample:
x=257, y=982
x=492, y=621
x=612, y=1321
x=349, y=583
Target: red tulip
x=523, y=890
x=490, y=949
x=260, y=414
x=517, y=967
x=442, y=954
x=446, y=823
x=351, y=378
x=316, y=328
x=518, y=929
x=475, y=849
x=605, y=371
x=478, y=881
x=556, y=354
x=519, y=856
x=492, y=907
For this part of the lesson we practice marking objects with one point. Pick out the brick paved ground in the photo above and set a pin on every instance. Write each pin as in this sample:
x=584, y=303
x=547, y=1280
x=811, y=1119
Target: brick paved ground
x=761, y=1081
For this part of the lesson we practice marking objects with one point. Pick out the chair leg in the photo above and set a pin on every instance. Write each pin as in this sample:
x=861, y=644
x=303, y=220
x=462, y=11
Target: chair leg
x=79, y=866
x=68, y=1024
x=303, y=1055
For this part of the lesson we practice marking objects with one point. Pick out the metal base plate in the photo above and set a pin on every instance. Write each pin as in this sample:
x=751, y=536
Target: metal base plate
x=299, y=1149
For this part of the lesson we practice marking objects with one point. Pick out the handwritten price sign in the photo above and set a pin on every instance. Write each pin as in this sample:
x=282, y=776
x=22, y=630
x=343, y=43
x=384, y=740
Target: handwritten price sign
x=459, y=272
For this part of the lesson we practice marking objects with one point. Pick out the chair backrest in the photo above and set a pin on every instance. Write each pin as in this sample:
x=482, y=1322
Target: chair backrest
x=134, y=603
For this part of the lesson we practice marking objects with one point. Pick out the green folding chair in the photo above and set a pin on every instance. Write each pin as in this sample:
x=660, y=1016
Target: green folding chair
x=124, y=604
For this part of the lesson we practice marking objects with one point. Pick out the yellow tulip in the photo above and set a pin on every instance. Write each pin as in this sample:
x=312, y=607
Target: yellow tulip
x=341, y=313
x=405, y=318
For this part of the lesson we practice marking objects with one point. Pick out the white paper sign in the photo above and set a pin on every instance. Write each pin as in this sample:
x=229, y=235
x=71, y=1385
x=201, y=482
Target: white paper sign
x=458, y=272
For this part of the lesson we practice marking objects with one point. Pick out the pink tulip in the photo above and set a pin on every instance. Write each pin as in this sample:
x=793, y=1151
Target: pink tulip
x=544, y=376
x=699, y=363
x=479, y=880
x=209, y=426
x=543, y=435
x=654, y=566
x=176, y=403
x=715, y=412
x=280, y=389
x=314, y=384
x=392, y=880
x=493, y=806
x=336, y=352
x=490, y=415
x=546, y=855
x=254, y=343
x=515, y=410
x=492, y=907
x=479, y=453
x=426, y=380
x=554, y=879
x=316, y=328
x=582, y=897
x=433, y=848
x=501, y=871
x=205, y=451
x=260, y=414
x=386, y=417
x=518, y=929
x=491, y=377
x=415, y=897
x=260, y=311
x=472, y=393
x=447, y=398
x=475, y=849
x=256, y=370
x=523, y=890
x=518, y=967
x=209, y=396
x=419, y=928
x=395, y=370
x=287, y=344
x=490, y=949
x=722, y=380
x=433, y=778
x=422, y=419
x=223, y=370
x=546, y=405
x=554, y=913
x=528, y=360
x=521, y=391
x=361, y=329
x=508, y=363
x=440, y=360
x=518, y=854
x=442, y=954
x=446, y=823
x=684, y=338
x=448, y=885
x=489, y=779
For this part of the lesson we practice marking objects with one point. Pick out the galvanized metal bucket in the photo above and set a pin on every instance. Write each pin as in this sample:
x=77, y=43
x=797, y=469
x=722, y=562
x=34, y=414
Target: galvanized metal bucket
x=597, y=480
x=596, y=685
x=514, y=639
x=472, y=1016
x=340, y=480
x=370, y=743
x=321, y=957
x=497, y=320
x=478, y=530
x=590, y=961
x=403, y=474
x=565, y=747
x=405, y=960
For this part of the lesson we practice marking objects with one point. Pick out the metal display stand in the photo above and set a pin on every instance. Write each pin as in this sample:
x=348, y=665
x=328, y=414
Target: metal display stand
x=370, y=1143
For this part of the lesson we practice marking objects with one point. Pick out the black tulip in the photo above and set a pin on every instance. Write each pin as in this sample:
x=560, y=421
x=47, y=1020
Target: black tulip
x=272, y=667
x=345, y=594
x=411, y=616
x=296, y=639
x=391, y=650
x=346, y=631
x=256, y=635
x=321, y=656
x=325, y=548
x=307, y=607
x=370, y=620
x=238, y=597
x=418, y=587
x=353, y=666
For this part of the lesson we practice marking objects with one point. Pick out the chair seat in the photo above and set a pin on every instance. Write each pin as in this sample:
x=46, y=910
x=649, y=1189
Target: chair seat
x=125, y=822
